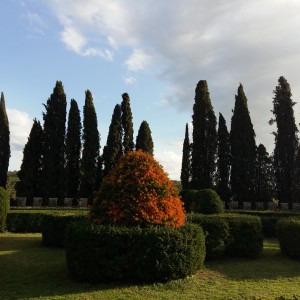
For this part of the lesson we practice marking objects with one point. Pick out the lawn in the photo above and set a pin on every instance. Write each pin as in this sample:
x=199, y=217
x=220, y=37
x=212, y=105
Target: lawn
x=29, y=271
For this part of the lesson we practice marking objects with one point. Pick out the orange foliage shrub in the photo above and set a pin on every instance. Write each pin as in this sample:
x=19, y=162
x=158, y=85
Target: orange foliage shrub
x=137, y=192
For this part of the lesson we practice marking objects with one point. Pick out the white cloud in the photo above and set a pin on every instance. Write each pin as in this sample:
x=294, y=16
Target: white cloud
x=129, y=80
x=20, y=124
x=138, y=60
x=171, y=163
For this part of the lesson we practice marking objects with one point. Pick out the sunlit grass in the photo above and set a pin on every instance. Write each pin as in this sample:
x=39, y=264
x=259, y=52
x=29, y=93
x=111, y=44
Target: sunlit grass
x=29, y=271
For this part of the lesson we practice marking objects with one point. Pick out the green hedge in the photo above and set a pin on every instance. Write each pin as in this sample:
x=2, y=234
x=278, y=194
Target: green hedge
x=216, y=230
x=104, y=254
x=187, y=198
x=4, y=208
x=30, y=221
x=245, y=238
x=54, y=228
x=207, y=202
x=289, y=237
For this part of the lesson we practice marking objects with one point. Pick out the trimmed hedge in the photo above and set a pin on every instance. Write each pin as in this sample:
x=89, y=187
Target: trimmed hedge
x=289, y=237
x=216, y=230
x=98, y=253
x=54, y=228
x=4, y=208
x=187, y=198
x=207, y=202
x=245, y=238
x=30, y=220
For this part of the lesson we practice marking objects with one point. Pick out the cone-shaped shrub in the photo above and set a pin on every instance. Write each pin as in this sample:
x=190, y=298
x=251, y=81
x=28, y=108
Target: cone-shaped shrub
x=137, y=192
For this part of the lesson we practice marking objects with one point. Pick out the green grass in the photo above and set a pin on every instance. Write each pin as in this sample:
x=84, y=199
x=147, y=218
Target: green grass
x=29, y=271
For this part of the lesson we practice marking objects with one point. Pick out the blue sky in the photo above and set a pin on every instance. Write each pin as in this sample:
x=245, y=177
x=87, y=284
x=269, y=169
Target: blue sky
x=156, y=51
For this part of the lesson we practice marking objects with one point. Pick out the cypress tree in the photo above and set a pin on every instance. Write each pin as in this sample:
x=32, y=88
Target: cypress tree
x=186, y=161
x=54, y=143
x=204, y=139
x=4, y=143
x=285, y=141
x=223, y=161
x=127, y=124
x=243, y=151
x=30, y=172
x=91, y=146
x=113, y=149
x=144, y=140
x=264, y=176
x=73, y=150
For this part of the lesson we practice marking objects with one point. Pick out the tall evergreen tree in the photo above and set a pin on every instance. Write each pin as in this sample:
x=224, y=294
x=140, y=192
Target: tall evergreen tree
x=285, y=141
x=265, y=187
x=204, y=139
x=113, y=149
x=91, y=147
x=127, y=124
x=186, y=161
x=4, y=143
x=223, y=161
x=243, y=151
x=73, y=151
x=31, y=168
x=144, y=140
x=54, y=143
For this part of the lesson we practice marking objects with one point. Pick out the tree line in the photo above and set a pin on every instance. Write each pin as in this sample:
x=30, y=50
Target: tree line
x=65, y=161
x=231, y=162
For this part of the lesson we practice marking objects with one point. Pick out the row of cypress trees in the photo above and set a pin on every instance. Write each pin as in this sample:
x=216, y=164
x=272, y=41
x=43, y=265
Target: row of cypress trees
x=68, y=163
x=231, y=162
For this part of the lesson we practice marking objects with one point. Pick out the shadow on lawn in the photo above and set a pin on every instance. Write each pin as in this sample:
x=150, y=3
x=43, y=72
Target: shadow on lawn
x=29, y=270
x=270, y=265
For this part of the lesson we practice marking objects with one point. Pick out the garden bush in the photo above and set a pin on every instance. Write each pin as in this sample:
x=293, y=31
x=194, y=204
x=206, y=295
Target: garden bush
x=216, y=230
x=187, y=198
x=289, y=237
x=245, y=239
x=54, y=228
x=137, y=192
x=4, y=208
x=97, y=253
x=207, y=201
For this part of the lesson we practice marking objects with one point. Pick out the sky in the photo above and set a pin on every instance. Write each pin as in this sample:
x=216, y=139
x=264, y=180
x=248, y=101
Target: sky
x=157, y=52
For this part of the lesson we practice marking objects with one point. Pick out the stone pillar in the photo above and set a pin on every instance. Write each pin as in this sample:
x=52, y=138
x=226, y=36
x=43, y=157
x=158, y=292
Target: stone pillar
x=21, y=201
x=52, y=202
x=37, y=201
x=83, y=202
x=68, y=202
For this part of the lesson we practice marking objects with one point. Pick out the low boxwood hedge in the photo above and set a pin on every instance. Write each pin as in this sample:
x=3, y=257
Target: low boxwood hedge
x=101, y=254
x=216, y=230
x=289, y=237
x=245, y=239
x=30, y=221
x=54, y=228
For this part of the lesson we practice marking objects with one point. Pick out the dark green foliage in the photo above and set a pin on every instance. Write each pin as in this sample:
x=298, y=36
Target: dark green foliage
x=187, y=197
x=91, y=147
x=4, y=143
x=127, y=124
x=73, y=151
x=113, y=149
x=186, y=161
x=24, y=222
x=4, y=208
x=265, y=181
x=289, y=237
x=204, y=139
x=285, y=141
x=53, y=161
x=207, y=202
x=243, y=151
x=245, y=238
x=54, y=228
x=30, y=172
x=144, y=140
x=216, y=230
x=223, y=161
x=104, y=254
